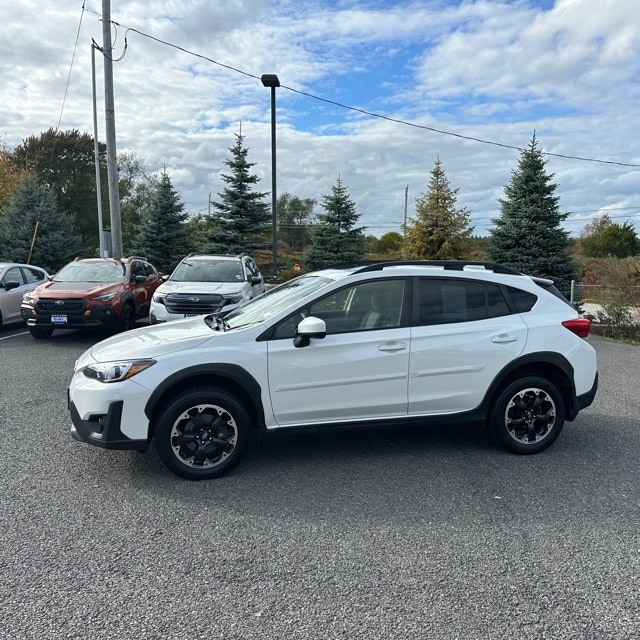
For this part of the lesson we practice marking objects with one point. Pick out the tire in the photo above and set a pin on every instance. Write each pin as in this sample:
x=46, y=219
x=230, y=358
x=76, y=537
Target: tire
x=40, y=333
x=127, y=320
x=528, y=415
x=203, y=433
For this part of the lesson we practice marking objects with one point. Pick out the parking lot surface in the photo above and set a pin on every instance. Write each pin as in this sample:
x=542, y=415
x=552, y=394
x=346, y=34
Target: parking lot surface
x=412, y=533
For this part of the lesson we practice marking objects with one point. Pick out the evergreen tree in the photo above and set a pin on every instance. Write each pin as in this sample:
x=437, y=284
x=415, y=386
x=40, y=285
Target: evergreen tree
x=528, y=236
x=335, y=239
x=164, y=237
x=32, y=209
x=440, y=231
x=603, y=238
x=241, y=222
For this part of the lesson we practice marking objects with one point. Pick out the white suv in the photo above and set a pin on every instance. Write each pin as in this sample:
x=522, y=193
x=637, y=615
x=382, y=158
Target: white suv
x=203, y=284
x=389, y=343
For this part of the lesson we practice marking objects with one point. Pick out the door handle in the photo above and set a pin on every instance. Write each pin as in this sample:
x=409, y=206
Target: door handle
x=392, y=346
x=504, y=338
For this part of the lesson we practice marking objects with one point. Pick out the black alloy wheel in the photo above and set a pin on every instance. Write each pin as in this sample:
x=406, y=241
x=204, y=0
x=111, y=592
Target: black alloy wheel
x=528, y=415
x=203, y=434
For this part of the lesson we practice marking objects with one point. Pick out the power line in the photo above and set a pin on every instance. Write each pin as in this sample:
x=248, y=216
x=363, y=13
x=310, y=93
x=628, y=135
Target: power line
x=364, y=111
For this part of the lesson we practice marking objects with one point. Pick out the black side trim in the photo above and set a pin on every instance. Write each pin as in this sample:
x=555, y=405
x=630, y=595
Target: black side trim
x=231, y=372
x=104, y=430
x=585, y=399
x=533, y=360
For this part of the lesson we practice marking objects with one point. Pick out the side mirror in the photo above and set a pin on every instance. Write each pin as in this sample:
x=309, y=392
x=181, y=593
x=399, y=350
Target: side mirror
x=140, y=279
x=11, y=284
x=256, y=280
x=308, y=328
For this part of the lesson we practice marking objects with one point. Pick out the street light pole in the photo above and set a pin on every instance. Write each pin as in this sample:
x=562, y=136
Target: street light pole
x=271, y=80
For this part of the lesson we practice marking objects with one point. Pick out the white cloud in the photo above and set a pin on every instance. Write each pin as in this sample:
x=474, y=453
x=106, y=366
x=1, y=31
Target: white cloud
x=485, y=69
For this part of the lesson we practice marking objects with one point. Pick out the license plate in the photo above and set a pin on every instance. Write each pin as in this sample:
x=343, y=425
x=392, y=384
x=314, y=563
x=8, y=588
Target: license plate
x=191, y=315
x=59, y=319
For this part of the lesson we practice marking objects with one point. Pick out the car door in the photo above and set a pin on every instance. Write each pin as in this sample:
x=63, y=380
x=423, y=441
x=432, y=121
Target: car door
x=12, y=298
x=354, y=373
x=463, y=334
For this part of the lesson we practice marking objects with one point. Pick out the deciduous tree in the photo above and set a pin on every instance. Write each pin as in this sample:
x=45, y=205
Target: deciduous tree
x=294, y=217
x=603, y=238
x=64, y=162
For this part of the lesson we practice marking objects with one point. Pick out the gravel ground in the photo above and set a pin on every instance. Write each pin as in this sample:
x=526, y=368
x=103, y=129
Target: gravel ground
x=412, y=534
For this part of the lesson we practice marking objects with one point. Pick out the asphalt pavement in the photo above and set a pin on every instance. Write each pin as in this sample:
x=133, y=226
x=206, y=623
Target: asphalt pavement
x=422, y=534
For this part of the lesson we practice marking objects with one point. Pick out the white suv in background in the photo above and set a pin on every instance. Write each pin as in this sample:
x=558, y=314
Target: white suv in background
x=385, y=344
x=203, y=284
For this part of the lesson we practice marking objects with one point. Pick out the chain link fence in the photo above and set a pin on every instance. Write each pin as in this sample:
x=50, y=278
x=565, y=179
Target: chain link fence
x=615, y=306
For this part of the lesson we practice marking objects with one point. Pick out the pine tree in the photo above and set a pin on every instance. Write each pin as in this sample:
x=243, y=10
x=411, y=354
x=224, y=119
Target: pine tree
x=164, y=237
x=335, y=239
x=32, y=209
x=241, y=222
x=440, y=231
x=528, y=236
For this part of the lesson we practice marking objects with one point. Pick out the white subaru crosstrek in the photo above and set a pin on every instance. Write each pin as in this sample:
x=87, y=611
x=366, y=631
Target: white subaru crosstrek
x=203, y=284
x=389, y=343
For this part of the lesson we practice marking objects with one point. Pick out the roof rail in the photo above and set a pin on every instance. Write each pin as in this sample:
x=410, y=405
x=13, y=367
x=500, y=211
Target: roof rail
x=454, y=265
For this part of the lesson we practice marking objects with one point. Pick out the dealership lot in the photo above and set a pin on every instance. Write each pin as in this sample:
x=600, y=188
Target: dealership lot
x=409, y=534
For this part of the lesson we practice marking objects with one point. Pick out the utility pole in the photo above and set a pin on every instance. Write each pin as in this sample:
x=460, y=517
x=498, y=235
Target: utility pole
x=406, y=197
x=110, y=124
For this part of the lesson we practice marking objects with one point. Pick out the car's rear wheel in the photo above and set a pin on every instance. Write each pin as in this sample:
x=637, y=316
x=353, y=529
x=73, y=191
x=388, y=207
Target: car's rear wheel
x=40, y=333
x=528, y=415
x=203, y=433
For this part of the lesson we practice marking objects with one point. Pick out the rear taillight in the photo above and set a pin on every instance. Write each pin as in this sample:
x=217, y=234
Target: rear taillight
x=579, y=326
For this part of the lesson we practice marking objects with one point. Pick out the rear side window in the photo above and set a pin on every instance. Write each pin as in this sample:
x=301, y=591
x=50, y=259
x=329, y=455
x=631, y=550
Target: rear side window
x=446, y=300
x=522, y=300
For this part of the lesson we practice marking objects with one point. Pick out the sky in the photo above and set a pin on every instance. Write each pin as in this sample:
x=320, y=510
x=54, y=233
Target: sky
x=373, y=92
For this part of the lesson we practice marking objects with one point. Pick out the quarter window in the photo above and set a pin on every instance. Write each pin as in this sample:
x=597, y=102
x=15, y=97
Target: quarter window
x=443, y=301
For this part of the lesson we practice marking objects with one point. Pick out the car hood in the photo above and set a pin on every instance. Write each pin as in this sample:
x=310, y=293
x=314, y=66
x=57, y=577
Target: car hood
x=153, y=341
x=74, y=289
x=200, y=287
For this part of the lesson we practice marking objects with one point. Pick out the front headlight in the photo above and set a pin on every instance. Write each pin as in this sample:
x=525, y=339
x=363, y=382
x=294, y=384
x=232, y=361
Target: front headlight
x=233, y=298
x=116, y=371
x=106, y=297
x=29, y=298
x=159, y=297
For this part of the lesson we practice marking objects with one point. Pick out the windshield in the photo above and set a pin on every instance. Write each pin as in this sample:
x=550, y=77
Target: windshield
x=208, y=271
x=274, y=301
x=91, y=272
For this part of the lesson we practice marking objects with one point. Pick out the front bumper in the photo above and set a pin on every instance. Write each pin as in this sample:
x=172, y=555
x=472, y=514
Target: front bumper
x=159, y=312
x=101, y=316
x=103, y=430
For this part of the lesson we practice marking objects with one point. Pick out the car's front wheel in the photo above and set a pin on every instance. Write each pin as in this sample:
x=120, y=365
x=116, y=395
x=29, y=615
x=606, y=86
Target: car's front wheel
x=528, y=415
x=203, y=433
x=40, y=333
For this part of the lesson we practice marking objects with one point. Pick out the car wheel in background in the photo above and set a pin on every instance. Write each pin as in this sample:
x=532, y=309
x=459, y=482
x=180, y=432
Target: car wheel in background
x=203, y=433
x=127, y=318
x=40, y=333
x=528, y=415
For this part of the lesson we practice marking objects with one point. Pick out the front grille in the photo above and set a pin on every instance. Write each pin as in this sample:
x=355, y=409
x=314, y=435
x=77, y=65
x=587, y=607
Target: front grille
x=60, y=306
x=199, y=303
